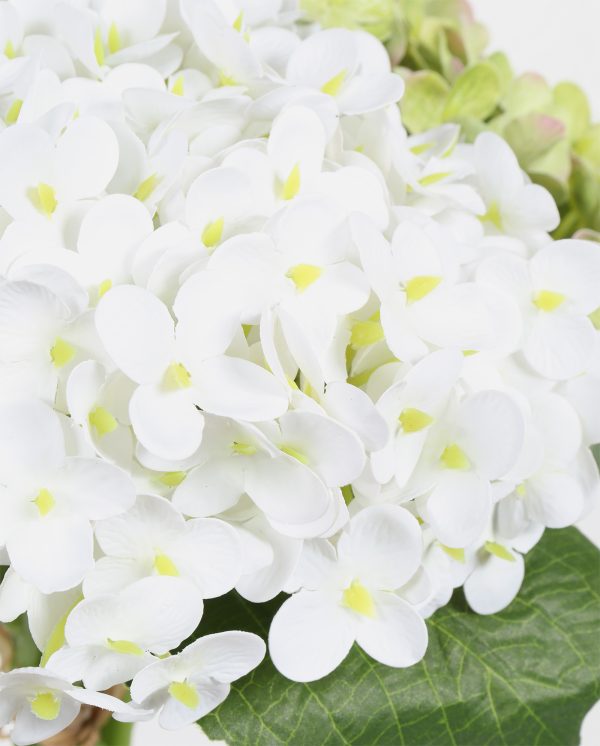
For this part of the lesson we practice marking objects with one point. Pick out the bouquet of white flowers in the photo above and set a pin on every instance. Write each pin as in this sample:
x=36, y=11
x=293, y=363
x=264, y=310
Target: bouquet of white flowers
x=256, y=339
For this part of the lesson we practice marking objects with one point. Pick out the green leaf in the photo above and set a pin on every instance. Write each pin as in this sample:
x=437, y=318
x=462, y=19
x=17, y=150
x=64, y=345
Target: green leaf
x=525, y=676
x=423, y=101
x=475, y=93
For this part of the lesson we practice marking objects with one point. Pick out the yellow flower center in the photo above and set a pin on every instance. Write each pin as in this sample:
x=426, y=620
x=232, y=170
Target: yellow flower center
x=172, y=478
x=420, y=286
x=178, y=376
x=61, y=352
x=213, y=233
x=454, y=457
x=499, y=551
x=243, y=449
x=124, y=646
x=291, y=186
x=456, y=553
x=548, y=300
x=44, y=502
x=303, y=275
x=102, y=421
x=294, y=453
x=333, y=85
x=146, y=187
x=164, y=565
x=45, y=705
x=414, y=420
x=358, y=598
x=184, y=693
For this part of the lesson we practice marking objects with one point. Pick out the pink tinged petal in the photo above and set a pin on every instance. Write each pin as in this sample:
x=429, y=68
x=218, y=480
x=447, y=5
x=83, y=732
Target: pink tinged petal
x=310, y=636
x=396, y=635
x=459, y=508
x=233, y=387
x=52, y=552
x=94, y=488
x=211, y=488
x=166, y=422
x=87, y=155
x=554, y=499
x=286, y=490
x=137, y=331
x=494, y=583
x=491, y=432
x=31, y=439
x=382, y=545
x=559, y=346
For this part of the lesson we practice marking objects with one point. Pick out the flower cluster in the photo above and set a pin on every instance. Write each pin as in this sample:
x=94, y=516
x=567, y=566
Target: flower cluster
x=254, y=336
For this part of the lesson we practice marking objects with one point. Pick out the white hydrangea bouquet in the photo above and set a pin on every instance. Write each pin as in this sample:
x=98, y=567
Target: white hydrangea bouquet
x=257, y=340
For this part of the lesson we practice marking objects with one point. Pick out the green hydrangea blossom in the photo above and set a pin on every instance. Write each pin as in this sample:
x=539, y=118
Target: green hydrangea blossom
x=440, y=50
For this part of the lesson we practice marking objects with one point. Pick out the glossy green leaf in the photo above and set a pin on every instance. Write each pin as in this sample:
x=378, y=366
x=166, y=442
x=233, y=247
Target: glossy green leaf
x=525, y=676
x=475, y=93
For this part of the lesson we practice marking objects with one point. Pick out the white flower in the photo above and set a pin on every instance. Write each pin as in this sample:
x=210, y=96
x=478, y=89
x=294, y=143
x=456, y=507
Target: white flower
x=42, y=177
x=347, y=595
x=153, y=538
x=555, y=290
x=49, y=499
x=43, y=704
x=477, y=443
x=514, y=206
x=110, y=638
x=350, y=66
x=176, y=377
x=187, y=686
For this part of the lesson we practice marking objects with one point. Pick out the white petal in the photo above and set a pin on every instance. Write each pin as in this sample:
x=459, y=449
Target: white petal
x=137, y=331
x=382, y=545
x=31, y=439
x=53, y=553
x=331, y=449
x=225, y=656
x=110, y=232
x=559, y=346
x=232, y=387
x=286, y=490
x=14, y=596
x=491, y=432
x=175, y=715
x=208, y=553
x=166, y=422
x=459, y=508
x=210, y=489
x=94, y=488
x=30, y=729
x=86, y=159
x=310, y=636
x=494, y=583
x=352, y=406
x=554, y=499
x=396, y=636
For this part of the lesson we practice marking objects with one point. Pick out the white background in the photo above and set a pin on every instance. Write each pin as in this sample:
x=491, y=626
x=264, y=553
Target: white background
x=561, y=40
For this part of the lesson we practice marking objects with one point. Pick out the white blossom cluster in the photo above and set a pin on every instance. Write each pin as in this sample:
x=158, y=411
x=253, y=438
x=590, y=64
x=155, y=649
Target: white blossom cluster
x=255, y=337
